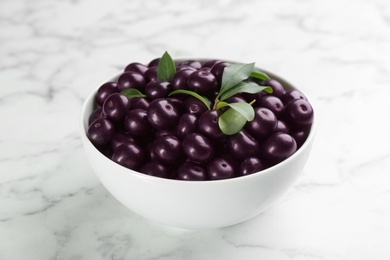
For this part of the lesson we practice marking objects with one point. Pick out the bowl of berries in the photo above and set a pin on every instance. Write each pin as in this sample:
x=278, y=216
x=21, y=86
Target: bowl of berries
x=197, y=144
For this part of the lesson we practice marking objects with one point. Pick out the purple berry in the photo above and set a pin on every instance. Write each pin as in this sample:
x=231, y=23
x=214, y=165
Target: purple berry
x=157, y=169
x=136, y=122
x=101, y=131
x=129, y=155
x=299, y=113
x=195, y=106
x=250, y=165
x=278, y=147
x=202, y=82
x=122, y=138
x=105, y=91
x=197, y=148
x=291, y=95
x=115, y=107
x=131, y=80
x=167, y=149
x=242, y=145
x=263, y=124
x=180, y=78
x=157, y=89
x=190, y=171
x=163, y=114
x=187, y=124
x=272, y=103
x=277, y=87
x=208, y=125
x=136, y=67
x=220, y=168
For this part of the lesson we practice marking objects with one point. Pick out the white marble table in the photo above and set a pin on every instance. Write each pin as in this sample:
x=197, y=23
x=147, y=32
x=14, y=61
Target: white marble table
x=53, y=53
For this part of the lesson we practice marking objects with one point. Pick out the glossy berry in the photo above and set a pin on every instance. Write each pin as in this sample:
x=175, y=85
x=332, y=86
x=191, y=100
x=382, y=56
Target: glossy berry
x=139, y=102
x=192, y=63
x=272, y=103
x=101, y=131
x=151, y=74
x=217, y=71
x=136, y=122
x=171, y=131
x=281, y=126
x=277, y=87
x=195, y=106
x=167, y=149
x=190, y=171
x=299, y=136
x=178, y=102
x=197, y=148
x=242, y=145
x=115, y=107
x=136, y=67
x=163, y=114
x=180, y=78
x=154, y=63
x=291, y=95
x=149, y=153
x=208, y=125
x=105, y=91
x=202, y=82
x=184, y=67
x=97, y=113
x=157, y=169
x=131, y=80
x=122, y=138
x=278, y=147
x=210, y=63
x=263, y=124
x=129, y=155
x=187, y=124
x=157, y=89
x=220, y=168
x=299, y=113
x=250, y=165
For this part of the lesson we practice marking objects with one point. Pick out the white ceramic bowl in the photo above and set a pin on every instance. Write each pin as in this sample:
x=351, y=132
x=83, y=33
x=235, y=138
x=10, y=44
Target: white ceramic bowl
x=195, y=204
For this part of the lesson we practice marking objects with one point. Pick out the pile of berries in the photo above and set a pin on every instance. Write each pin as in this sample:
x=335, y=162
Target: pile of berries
x=178, y=136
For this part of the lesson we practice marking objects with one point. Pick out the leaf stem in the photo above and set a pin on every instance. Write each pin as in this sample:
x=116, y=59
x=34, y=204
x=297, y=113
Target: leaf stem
x=216, y=101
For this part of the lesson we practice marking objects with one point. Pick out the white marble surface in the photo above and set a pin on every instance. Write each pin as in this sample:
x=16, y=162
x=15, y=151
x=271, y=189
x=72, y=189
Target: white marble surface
x=53, y=53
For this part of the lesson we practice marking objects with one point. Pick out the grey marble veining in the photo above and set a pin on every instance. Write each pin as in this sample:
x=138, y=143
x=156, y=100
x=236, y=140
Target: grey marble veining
x=53, y=53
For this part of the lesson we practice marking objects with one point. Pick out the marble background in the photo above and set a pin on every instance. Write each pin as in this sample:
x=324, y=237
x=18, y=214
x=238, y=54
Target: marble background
x=53, y=53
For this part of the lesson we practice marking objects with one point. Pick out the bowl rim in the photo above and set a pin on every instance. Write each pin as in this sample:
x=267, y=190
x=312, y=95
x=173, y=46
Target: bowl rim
x=83, y=132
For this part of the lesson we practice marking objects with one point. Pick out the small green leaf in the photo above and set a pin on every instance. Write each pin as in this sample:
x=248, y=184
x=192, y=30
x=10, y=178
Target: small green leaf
x=132, y=93
x=247, y=87
x=245, y=109
x=234, y=74
x=192, y=93
x=259, y=75
x=166, y=68
x=231, y=122
x=221, y=104
x=234, y=119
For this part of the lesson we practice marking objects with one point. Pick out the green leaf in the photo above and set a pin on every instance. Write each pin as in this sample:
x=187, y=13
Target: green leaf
x=245, y=109
x=132, y=93
x=166, y=68
x=231, y=122
x=221, y=104
x=234, y=119
x=247, y=87
x=234, y=74
x=194, y=94
x=259, y=75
